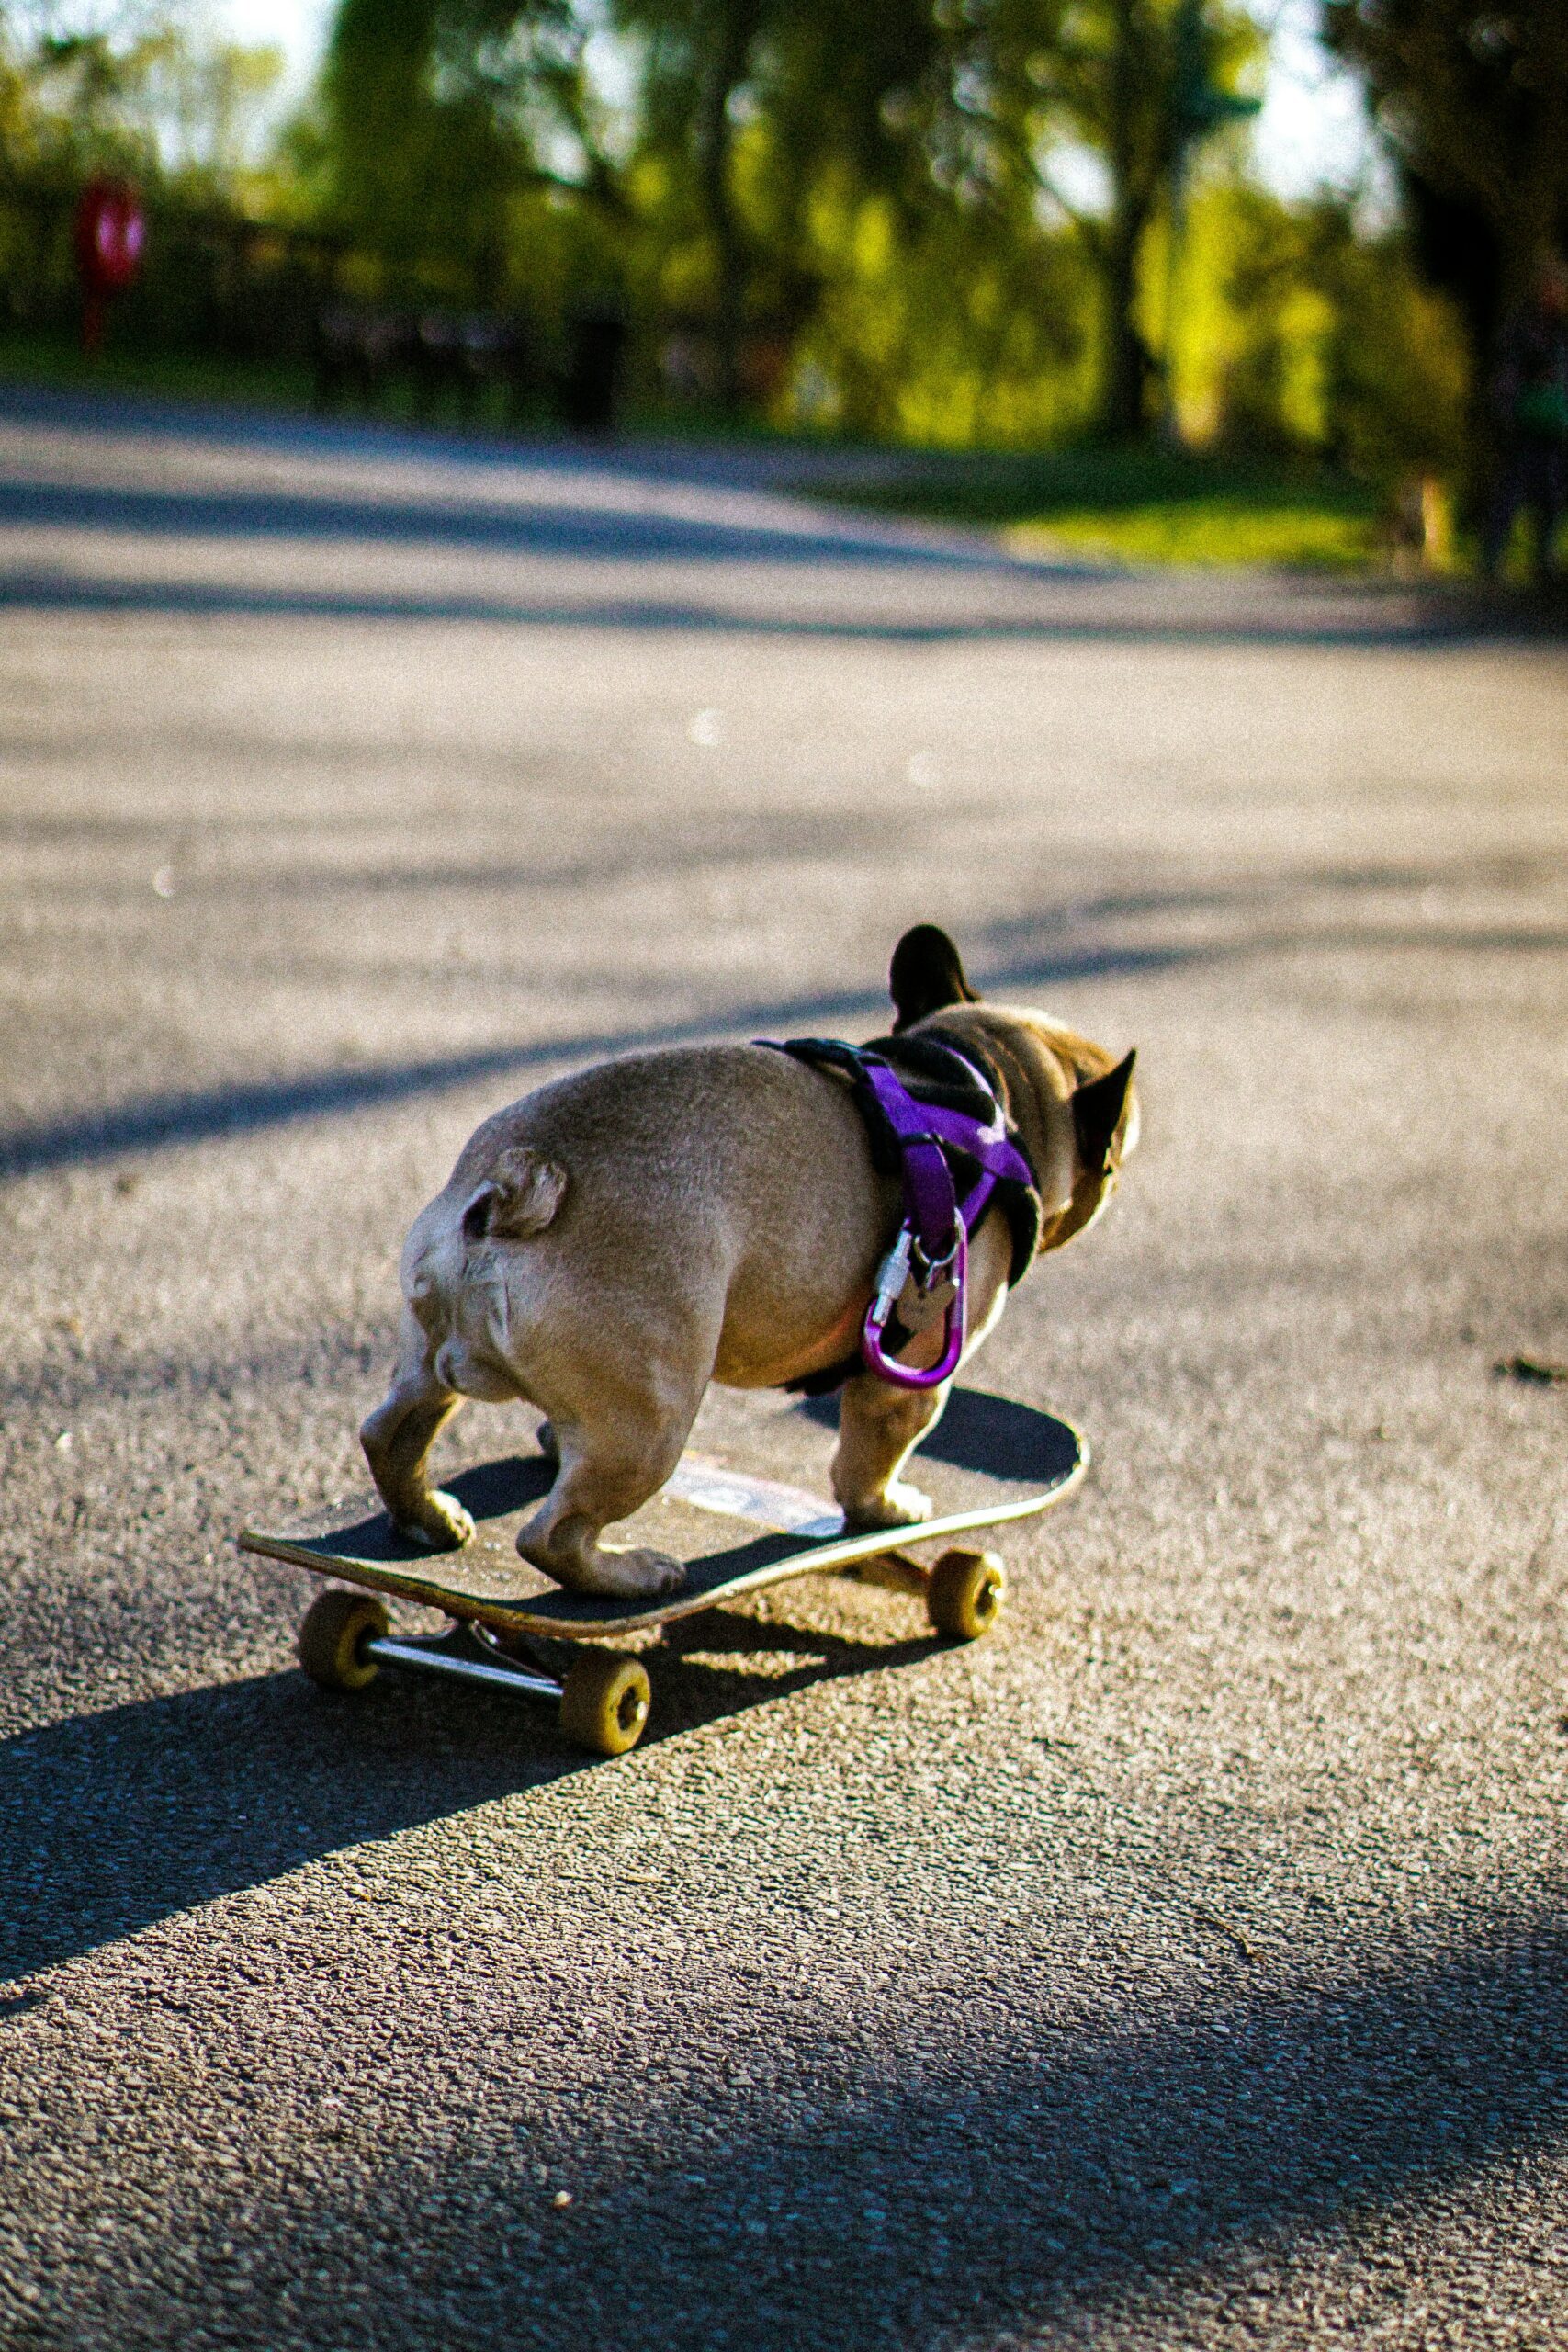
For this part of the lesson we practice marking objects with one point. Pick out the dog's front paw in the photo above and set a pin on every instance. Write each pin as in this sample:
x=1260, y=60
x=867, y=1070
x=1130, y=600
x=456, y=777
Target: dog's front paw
x=897, y=1506
x=441, y=1525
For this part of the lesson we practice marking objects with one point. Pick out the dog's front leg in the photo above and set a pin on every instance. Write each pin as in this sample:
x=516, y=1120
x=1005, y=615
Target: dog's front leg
x=397, y=1439
x=881, y=1424
x=879, y=1427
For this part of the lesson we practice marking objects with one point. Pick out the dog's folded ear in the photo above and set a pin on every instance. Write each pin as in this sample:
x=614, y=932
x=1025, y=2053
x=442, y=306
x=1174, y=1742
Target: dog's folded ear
x=926, y=975
x=519, y=1198
x=1097, y=1113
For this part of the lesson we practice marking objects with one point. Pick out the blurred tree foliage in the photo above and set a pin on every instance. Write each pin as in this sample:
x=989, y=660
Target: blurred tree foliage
x=1474, y=99
x=434, y=133
x=132, y=87
x=942, y=127
x=1301, y=332
x=937, y=221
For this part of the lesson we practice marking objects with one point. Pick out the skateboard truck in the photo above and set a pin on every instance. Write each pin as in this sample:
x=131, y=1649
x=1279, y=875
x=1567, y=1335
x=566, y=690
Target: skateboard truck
x=345, y=1638
x=448, y=1653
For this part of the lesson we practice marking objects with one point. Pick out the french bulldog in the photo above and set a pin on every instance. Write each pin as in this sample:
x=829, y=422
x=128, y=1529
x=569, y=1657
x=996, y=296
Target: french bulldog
x=617, y=1239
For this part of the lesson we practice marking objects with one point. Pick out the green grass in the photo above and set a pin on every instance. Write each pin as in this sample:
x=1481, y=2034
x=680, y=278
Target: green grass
x=1144, y=505
x=1296, y=537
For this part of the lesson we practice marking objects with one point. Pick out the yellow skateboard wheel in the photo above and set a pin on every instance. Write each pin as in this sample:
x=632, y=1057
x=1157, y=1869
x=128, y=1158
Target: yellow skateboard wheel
x=604, y=1702
x=333, y=1636
x=964, y=1599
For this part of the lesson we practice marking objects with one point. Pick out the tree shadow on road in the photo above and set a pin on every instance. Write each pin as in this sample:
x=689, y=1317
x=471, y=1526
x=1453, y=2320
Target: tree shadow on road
x=993, y=2176
x=1028, y=957
x=1355, y=621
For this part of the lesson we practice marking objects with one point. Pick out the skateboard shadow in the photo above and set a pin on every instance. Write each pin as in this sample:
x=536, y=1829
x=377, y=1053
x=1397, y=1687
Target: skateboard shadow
x=112, y=1822
x=701, y=1674
x=989, y=1436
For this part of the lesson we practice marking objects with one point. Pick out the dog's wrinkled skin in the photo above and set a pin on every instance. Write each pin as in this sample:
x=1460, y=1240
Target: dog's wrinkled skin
x=612, y=1243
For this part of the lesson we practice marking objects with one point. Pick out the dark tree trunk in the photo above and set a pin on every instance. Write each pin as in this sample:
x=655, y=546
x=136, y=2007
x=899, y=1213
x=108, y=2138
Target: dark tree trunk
x=1122, y=396
x=715, y=140
x=1123, y=400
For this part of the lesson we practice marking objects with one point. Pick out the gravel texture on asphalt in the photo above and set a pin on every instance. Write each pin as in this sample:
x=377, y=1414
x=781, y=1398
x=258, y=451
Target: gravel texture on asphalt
x=1186, y=1963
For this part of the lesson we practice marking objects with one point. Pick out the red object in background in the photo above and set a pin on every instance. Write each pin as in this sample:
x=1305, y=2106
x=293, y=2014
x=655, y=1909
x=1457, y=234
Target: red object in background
x=111, y=231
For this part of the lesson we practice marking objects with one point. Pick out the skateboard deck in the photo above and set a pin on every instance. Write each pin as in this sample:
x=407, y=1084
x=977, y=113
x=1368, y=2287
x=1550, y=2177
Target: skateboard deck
x=989, y=1460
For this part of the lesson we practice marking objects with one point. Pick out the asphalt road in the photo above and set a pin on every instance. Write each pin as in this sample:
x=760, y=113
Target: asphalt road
x=1185, y=1965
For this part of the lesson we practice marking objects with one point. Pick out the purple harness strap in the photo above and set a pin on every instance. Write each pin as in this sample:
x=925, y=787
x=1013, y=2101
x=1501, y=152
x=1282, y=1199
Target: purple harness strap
x=932, y=1243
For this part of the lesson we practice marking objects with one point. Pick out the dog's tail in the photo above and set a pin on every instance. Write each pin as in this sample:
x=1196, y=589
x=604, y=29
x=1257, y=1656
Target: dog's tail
x=520, y=1197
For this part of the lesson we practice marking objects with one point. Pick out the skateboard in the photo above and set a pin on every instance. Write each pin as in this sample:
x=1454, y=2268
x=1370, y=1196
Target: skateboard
x=988, y=1461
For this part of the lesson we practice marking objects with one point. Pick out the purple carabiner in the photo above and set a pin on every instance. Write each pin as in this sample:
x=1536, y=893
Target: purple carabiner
x=875, y=1356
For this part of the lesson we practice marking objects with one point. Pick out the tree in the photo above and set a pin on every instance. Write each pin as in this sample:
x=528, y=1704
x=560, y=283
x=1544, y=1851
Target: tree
x=439, y=115
x=139, y=88
x=753, y=119
x=1135, y=83
x=1474, y=99
x=698, y=58
x=821, y=90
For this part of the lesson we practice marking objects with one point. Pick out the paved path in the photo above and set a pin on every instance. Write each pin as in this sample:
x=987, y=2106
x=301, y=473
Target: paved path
x=1185, y=1966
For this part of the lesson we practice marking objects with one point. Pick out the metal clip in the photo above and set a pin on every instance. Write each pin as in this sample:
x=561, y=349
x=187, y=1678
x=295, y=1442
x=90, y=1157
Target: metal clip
x=894, y=1271
x=891, y=1276
x=930, y=1271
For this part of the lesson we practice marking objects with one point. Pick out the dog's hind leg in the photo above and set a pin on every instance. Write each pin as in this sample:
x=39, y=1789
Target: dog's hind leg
x=397, y=1439
x=609, y=1464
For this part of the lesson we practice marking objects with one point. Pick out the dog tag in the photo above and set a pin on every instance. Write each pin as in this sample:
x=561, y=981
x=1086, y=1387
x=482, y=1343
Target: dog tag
x=918, y=1309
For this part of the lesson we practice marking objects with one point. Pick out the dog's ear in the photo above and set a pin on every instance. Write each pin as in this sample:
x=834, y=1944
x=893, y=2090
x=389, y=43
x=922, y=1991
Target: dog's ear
x=1097, y=1113
x=520, y=1199
x=926, y=975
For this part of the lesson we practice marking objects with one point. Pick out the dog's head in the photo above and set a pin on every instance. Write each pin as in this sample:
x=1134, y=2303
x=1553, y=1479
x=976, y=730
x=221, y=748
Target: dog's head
x=1076, y=1112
